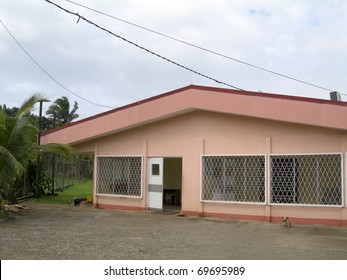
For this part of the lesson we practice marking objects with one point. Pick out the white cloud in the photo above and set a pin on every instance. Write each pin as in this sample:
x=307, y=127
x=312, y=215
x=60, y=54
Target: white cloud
x=283, y=45
x=298, y=38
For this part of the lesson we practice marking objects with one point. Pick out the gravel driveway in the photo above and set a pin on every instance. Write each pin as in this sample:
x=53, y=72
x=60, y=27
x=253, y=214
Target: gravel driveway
x=55, y=232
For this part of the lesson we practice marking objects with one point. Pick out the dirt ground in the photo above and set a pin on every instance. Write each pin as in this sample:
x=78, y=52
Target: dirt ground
x=53, y=232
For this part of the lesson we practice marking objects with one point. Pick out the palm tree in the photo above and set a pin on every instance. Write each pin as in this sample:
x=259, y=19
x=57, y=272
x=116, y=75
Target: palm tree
x=18, y=145
x=60, y=110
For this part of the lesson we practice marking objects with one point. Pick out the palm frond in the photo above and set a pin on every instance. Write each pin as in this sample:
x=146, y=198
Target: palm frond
x=60, y=109
x=59, y=149
x=9, y=162
x=28, y=105
x=21, y=132
x=3, y=130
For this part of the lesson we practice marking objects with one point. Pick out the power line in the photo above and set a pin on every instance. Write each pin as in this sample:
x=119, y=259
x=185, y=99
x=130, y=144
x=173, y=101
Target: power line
x=49, y=75
x=201, y=48
x=140, y=47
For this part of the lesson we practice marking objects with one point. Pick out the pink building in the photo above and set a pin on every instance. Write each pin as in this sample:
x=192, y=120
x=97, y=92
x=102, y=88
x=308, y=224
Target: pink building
x=220, y=153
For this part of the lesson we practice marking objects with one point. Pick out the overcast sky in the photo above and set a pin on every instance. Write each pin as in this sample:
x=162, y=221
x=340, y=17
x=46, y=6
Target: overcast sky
x=304, y=39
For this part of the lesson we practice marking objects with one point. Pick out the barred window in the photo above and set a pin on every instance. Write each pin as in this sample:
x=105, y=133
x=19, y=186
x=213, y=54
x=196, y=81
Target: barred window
x=119, y=175
x=306, y=179
x=233, y=178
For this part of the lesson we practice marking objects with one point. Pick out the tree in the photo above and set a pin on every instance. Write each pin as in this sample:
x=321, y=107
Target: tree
x=60, y=110
x=18, y=144
x=46, y=123
x=9, y=111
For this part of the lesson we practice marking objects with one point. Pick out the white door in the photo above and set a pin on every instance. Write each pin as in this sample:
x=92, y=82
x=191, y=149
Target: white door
x=155, y=184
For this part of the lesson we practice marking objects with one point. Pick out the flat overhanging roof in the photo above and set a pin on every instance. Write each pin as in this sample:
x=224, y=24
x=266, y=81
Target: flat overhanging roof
x=300, y=110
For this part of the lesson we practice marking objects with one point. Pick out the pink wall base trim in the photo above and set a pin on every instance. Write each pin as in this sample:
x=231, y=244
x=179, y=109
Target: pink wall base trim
x=226, y=216
x=303, y=221
x=330, y=222
x=119, y=207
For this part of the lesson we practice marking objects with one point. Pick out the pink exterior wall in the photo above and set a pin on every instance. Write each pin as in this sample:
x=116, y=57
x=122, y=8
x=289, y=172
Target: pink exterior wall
x=196, y=133
x=197, y=121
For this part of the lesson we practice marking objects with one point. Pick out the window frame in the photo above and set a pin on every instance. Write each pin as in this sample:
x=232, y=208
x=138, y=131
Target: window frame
x=264, y=202
x=342, y=168
x=97, y=193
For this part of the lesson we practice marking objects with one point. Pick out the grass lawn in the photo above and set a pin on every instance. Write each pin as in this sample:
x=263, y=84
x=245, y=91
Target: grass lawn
x=81, y=190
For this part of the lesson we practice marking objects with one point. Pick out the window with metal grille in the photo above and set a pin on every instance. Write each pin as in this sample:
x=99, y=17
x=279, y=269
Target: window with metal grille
x=306, y=179
x=233, y=178
x=284, y=180
x=119, y=175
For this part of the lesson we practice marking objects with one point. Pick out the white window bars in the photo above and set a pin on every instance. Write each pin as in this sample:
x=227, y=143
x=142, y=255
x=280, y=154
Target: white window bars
x=312, y=179
x=296, y=179
x=119, y=175
x=233, y=178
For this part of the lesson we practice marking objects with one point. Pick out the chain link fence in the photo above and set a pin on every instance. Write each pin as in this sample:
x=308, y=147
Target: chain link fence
x=65, y=173
x=56, y=174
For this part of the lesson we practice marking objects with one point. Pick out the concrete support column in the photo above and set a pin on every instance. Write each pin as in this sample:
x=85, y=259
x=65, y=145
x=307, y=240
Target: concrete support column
x=202, y=152
x=343, y=149
x=268, y=145
x=268, y=151
x=96, y=152
x=144, y=173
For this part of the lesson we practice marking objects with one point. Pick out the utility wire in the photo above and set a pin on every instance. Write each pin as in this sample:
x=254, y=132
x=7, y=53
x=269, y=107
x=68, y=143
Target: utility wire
x=201, y=48
x=44, y=71
x=140, y=47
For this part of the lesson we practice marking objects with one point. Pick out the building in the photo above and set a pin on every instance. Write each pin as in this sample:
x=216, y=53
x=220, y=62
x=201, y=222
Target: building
x=220, y=153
